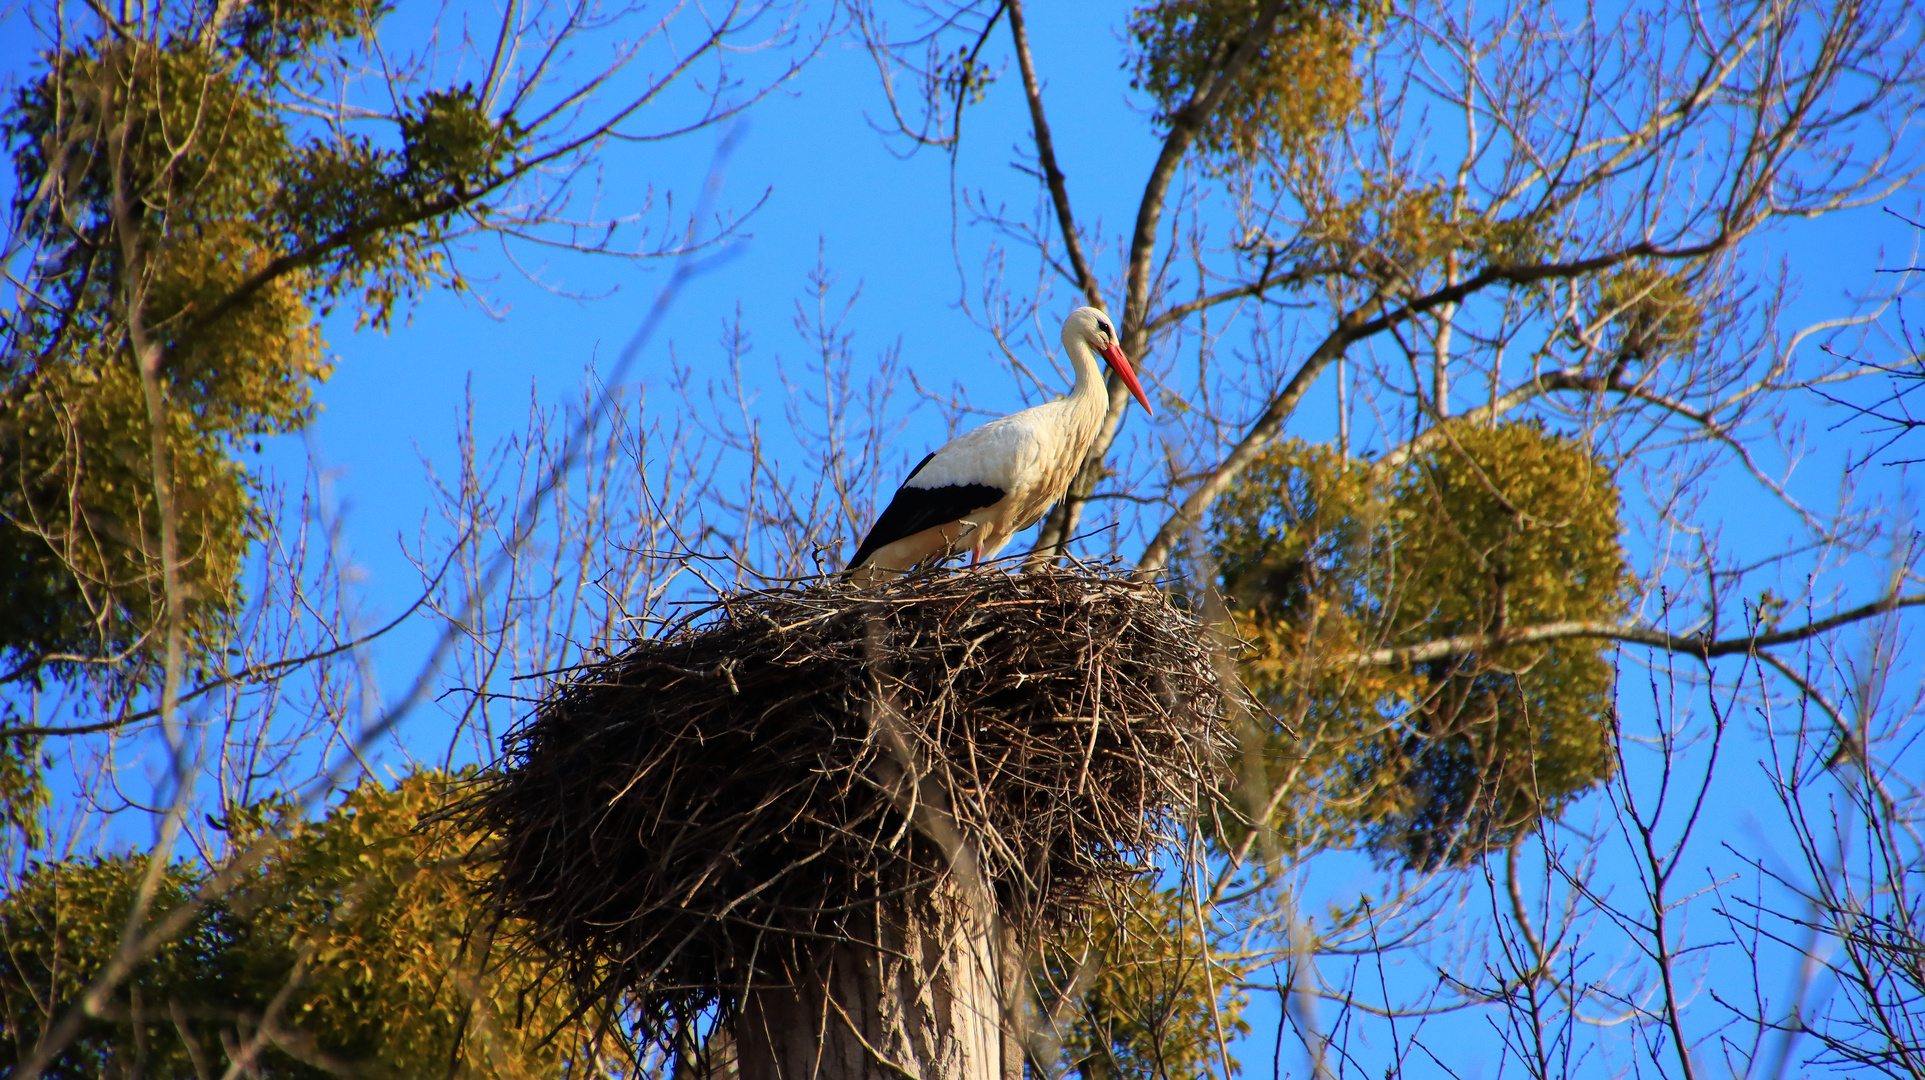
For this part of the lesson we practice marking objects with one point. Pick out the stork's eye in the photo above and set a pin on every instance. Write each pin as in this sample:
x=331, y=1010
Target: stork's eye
x=1105, y=328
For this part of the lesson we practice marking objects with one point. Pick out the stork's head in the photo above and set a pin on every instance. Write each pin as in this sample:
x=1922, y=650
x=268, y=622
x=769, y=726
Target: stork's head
x=1093, y=330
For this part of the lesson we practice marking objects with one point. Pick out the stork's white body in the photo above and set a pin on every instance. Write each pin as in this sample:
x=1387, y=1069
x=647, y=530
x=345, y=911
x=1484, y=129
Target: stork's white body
x=985, y=486
x=1030, y=456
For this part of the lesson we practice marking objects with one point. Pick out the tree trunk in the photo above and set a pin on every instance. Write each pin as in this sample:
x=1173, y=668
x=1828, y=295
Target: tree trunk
x=919, y=999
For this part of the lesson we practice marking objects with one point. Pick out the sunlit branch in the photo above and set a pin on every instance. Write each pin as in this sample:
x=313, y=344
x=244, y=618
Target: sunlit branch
x=1697, y=645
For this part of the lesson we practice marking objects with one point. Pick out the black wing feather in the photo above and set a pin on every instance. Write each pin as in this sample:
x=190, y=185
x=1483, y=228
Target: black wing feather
x=917, y=508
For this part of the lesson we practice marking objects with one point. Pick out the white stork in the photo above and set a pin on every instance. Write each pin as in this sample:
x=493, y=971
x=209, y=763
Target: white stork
x=987, y=485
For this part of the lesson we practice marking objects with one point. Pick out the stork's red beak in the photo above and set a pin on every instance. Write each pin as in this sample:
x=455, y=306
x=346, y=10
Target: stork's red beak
x=1114, y=354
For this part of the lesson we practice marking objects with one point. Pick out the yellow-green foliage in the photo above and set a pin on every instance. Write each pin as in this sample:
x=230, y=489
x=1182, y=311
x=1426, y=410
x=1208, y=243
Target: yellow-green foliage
x=160, y=177
x=392, y=970
x=81, y=555
x=23, y=790
x=61, y=926
x=1300, y=86
x=1389, y=229
x=1490, y=529
x=1647, y=312
x=1148, y=979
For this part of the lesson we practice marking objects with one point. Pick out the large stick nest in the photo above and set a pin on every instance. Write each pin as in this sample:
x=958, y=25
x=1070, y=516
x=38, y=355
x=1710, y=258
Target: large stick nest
x=675, y=821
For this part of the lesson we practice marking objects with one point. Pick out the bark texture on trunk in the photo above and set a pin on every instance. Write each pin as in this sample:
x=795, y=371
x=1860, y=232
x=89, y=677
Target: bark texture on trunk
x=919, y=998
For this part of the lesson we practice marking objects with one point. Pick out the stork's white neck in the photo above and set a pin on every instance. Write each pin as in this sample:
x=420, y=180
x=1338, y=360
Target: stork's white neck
x=1089, y=370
